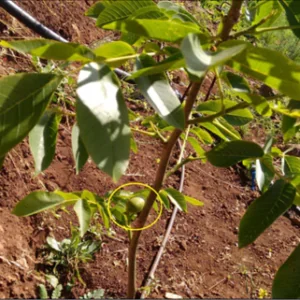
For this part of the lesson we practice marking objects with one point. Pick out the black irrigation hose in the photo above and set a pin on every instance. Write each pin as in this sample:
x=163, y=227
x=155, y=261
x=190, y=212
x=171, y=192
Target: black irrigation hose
x=45, y=32
x=25, y=18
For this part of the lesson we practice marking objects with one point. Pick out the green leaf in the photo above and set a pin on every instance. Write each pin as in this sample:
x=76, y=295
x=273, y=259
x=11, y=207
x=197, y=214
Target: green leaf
x=102, y=208
x=133, y=144
x=264, y=211
x=165, y=30
x=42, y=140
x=49, y=49
x=236, y=82
x=108, y=52
x=103, y=119
x=23, y=100
x=264, y=9
x=215, y=130
x=227, y=154
x=53, y=244
x=43, y=292
x=288, y=127
x=196, y=146
x=292, y=10
x=56, y=294
x=264, y=172
x=193, y=201
x=297, y=199
x=79, y=152
x=158, y=92
x=286, y=283
x=84, y=214
x=110, y=11
x=173, y=62
x=202, y=135
x=260, y=104
x=198, y=61
x=268, y=66
x=229, y=131
x=130, y=38
x=164, y=197
x=237, y=117
x=291, y=110
x=177, y=199
x=177, y=11
x=37, y=202
x=53, y=280
x=291, y=166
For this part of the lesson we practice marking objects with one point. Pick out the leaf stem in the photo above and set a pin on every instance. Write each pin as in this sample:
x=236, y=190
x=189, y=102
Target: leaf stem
x=252, y=29
x=141, y=220
x=182, y=163
x=219, y=114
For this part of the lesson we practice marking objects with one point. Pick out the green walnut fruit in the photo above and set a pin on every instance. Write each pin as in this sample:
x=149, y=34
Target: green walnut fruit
x=135, y=205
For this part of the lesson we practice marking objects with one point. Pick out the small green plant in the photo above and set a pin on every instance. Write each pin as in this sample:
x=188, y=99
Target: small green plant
x=55, y=286
x=65, y=257
x=95, y=294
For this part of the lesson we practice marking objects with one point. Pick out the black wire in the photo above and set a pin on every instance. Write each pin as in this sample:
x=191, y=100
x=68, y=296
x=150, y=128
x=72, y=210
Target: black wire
x=30, y=22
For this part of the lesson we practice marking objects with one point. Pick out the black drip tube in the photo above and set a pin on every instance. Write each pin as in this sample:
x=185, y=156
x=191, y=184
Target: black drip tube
x=30, y=22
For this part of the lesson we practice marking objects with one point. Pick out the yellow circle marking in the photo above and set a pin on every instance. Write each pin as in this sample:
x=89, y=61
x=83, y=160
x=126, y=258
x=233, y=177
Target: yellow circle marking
x=144, y=185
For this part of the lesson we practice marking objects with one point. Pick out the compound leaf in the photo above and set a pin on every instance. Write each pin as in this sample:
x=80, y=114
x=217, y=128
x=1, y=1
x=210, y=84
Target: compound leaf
x=265, y=210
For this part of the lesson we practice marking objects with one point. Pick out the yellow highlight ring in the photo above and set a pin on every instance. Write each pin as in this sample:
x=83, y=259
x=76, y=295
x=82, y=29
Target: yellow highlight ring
x=144, y=185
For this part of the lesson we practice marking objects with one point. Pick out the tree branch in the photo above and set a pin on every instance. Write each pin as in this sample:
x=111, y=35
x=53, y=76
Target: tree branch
x=142, y=219
x=231, y=19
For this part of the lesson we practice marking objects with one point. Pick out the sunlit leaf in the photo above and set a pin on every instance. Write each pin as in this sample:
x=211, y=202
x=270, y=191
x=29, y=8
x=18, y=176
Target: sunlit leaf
x=177, y=199
x=37, y=202
x=103, y=119
x=177, y=11
x=264, y=172
x=268, y=66
x=264, y=9
x=193, y=201
x=292, y=10
x=158, y=92
x=196, y=146
x=199, y=61
x=23, y=100
x=83, y=212
x=49, y=49
x=260, y=103
x=165, y=30
x=237, y=117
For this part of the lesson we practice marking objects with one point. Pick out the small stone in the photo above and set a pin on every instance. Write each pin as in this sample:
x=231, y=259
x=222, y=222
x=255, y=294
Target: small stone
x=172, y=296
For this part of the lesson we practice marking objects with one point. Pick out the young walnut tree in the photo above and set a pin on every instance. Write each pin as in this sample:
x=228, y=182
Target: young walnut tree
x=158, y=37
